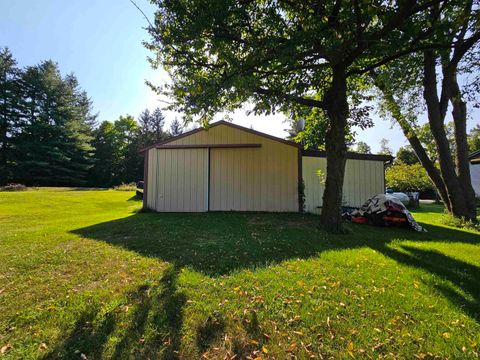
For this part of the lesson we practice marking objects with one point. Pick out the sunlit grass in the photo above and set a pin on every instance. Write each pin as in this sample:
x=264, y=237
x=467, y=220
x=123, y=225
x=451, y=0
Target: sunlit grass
x=85, y=272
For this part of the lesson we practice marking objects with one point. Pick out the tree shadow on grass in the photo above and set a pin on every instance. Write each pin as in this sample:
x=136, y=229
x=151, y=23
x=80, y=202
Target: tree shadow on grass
x=151, y=330
x=87, y=334
x=464, y=276
x=216, y=244
x=135, y=197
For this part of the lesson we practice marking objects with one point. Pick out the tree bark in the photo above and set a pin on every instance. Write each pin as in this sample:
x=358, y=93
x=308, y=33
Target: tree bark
x=436, y=118
x=459, y=114
x=414, y=142
x=336, y=151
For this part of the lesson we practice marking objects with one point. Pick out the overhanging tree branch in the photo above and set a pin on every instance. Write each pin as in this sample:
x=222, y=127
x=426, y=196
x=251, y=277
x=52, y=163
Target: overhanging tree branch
x=297, y=99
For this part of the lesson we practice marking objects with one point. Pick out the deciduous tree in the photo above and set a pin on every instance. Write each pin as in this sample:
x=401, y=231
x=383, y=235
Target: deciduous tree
x=406, y=155
x=363, y=148
x=384, y=148
x=404, y=177
x=281, y=55
x=474, y=139
x=457, y=36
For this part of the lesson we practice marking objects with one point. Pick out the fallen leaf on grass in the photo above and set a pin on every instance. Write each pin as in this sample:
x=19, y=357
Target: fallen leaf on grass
x=5, y=348
x=292, y=347
x=350, y=348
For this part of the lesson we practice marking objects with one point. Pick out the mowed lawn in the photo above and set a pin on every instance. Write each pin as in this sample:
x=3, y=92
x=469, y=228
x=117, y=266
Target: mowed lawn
x=84, y=272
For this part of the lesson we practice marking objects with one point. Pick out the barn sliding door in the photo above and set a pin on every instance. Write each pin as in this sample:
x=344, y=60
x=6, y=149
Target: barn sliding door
x=235, y=180
x=181, y=180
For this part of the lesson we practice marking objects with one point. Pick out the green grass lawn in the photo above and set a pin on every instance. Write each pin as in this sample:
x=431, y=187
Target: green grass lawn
x=83, y=272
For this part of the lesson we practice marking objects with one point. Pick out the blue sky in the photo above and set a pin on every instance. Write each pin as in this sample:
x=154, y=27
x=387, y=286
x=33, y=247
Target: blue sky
x=100, y=41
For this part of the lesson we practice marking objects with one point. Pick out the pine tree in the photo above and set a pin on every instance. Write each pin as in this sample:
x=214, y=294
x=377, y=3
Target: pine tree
x=54, y=146
x=158, y=121
x=151, y=127
x=11, y=112
x=145, y=121
x=175, y=128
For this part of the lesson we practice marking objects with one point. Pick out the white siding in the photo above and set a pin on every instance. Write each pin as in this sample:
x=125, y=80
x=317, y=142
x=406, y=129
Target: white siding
x=363, y=179
x=475, y=175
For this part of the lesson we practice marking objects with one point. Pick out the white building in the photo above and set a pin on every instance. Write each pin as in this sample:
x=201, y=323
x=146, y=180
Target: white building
x=474, y=159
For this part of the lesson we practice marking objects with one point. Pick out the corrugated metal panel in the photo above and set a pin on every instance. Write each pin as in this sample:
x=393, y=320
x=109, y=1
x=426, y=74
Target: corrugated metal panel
x=363, y=179
x=250, y=179
x=242, y=179
x=475, y=175
x=178, y=180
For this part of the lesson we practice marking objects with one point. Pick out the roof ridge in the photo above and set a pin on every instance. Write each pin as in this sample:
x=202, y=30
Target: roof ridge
x=217, y=123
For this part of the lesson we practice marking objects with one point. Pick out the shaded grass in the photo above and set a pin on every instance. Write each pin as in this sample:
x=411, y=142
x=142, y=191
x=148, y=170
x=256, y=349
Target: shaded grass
x=84, y=272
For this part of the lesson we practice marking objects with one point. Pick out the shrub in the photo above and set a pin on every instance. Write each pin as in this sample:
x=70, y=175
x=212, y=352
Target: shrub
x=404, y=177
x=461, y=223
x=126, y=187
x=13, y=187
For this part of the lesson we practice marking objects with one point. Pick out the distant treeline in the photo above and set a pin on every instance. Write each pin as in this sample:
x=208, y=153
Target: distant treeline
x=49, y=135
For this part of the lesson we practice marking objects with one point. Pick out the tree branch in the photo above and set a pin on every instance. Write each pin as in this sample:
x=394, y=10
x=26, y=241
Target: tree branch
x=297, y=99
x=141, y=11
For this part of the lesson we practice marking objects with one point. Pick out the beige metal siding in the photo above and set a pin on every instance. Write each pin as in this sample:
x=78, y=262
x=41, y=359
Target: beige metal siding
x=253, y=180
x=178, y=180
x=241, y=179
x=363, y=179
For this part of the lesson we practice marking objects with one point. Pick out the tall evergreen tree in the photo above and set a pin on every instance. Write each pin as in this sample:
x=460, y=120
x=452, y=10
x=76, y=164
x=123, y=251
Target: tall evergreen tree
x=53, y=148
x=145, y=122
x=151, y=127
x=175, y=128
x=11, y=112
x=158, y=121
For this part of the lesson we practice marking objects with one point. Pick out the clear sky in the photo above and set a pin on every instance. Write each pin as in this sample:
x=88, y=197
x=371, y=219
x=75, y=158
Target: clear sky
x=100, y=41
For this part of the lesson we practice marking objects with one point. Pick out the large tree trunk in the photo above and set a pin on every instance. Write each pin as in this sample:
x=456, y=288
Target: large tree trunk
x=336, y=150
x=459, y=114
x=436, y=118
x=415, y=143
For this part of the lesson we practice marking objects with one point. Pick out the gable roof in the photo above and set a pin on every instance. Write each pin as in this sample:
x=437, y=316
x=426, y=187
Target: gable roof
x=226, y=123
x=474, y=157
x=304, y=152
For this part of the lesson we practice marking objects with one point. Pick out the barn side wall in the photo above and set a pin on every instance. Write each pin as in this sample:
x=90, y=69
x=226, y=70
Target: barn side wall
x=363, y=179
x=263, y=178
x=178, y=180
x=475, y=175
